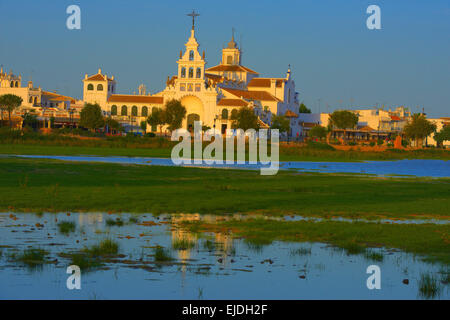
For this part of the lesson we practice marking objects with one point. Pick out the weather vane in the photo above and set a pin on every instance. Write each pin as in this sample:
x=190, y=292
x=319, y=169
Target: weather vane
x=193, y=14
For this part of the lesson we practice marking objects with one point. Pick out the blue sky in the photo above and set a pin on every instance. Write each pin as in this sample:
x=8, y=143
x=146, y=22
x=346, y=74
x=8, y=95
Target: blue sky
x=333, y=56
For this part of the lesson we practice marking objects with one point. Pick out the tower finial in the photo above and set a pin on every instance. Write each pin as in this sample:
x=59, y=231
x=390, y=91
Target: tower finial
x=193, y=14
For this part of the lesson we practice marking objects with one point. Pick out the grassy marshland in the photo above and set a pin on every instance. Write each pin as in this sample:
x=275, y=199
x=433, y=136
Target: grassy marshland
x=32, y=257
x=427, y=240
x=58, y=186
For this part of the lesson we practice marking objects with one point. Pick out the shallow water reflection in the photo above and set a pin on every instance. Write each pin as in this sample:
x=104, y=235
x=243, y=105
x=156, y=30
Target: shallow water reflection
x=418, y=168
x=206, y=265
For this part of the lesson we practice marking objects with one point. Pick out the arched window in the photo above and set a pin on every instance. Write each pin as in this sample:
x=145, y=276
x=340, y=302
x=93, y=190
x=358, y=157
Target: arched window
x=35, y=100
x=12, y=84
x=99, y=87
x=191, y=55
x=198, y=73
x=191, y=72
x=134, y=111
x=224, y=114
x=114, y=110
x=234, y=113
x=183, y=72
x=30, y=100
x=90, y=86
x=17, y=84
x=144, y=111
x=124, y=111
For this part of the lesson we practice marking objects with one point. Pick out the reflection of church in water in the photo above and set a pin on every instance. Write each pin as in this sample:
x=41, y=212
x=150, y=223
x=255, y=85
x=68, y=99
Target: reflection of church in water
x=209, y=95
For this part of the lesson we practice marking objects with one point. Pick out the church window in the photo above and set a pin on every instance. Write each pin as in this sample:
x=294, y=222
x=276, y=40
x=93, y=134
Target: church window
x=35, y=100
x=183, y=72
x=90, y=86
x=100, y=87
x=199, y=73
x=124, y=111
x=224, y=114
x=114, y=110
x=191, y=55
x=189, y=87
x=197, y=87
x=191, y=72
x=144, y=111
x=134, y=111
x=12, y=84
x=182, y=87
x=17, y=84
x=30, y=100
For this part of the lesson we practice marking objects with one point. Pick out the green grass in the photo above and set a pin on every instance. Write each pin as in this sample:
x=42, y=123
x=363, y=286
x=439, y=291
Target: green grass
x=161, y=255
x=429, y=286
x=66, y=227
x=114, y=222
x=32, y=257
x=84, y=261
x=104, y=248
x=374, y=256
x=57, y=186
x=430, y=241
x=183, y=244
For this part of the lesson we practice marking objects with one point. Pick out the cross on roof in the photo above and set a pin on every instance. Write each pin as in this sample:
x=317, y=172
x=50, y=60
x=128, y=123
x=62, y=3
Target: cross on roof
x=193, y=14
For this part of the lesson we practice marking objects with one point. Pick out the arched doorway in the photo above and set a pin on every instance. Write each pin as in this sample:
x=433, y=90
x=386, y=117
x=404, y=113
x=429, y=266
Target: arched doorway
x=194, y=111
x=190, y=121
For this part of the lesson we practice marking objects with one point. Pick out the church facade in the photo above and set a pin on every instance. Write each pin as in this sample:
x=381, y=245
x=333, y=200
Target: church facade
x=209, y=94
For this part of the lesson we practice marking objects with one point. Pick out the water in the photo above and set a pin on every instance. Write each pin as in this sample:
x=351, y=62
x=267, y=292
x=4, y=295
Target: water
x=418, y=168
x=219, y=266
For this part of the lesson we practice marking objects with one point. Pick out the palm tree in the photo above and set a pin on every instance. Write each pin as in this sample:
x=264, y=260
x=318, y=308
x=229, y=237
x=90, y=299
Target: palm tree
x=10, y=102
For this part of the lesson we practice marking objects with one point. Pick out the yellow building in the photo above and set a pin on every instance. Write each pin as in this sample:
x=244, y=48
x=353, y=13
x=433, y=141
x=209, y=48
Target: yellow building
x=208, y=94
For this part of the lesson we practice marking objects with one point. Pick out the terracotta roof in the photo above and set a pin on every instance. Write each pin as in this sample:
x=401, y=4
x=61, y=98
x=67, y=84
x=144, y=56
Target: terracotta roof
x=290, y=114
x=395, y=118
x=252, y=95
x=98, y=77
x=232, y=68
x=365, y=128
x=232, y=102
x=135, y=98
x=57, y=97
x=264, y=82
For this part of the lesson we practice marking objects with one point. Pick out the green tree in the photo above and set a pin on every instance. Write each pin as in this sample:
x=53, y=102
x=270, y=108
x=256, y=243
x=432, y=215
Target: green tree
x=156, y=118
x=418, y=129
x=281, y=123
x=144, y=126
x=343, y=119
x=91, y=117
x=9, y=102
x=303, y=109
x=244, y=118
x=318, y=132
x=113, y=125
x=174, y=113
x=443, y=135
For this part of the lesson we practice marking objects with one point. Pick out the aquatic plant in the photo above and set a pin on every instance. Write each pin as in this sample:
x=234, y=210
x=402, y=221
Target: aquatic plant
x=84, y=261
x=301, y=251
x=133, y=220
x=161, y=255
x=32, y=257
x=114, y=222
x=372, y=255
x=183, y=244
x=66, y=227
x=104, y=248
x=429, y=287
x=209, y=245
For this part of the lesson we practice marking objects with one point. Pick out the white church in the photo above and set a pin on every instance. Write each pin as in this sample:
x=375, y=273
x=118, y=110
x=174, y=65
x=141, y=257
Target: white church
x=208, y=94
